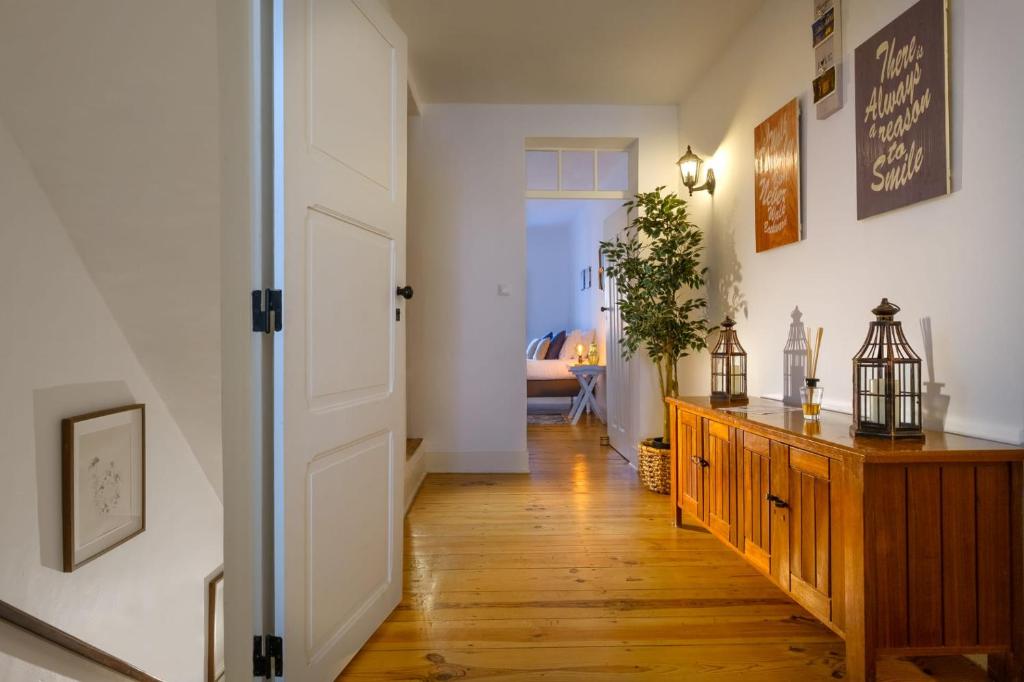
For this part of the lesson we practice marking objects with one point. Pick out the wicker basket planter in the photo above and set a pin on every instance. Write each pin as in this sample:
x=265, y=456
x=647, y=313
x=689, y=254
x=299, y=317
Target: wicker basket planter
x=655, y=466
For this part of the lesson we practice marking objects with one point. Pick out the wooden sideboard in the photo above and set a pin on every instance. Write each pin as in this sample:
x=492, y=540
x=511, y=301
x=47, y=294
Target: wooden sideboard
x=901, y=548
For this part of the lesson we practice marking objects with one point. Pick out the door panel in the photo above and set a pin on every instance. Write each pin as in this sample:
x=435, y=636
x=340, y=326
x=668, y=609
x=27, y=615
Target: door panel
x=690, y=491
x=757, y=479
x=340, y=193
x=780, y=515
x=349, y=54
x=335, y=479
x=718, y=474
x=341, y=316
x=810, y=531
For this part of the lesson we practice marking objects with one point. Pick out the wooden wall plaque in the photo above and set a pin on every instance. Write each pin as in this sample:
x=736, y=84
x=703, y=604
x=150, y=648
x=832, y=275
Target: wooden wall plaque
x=777, y=178
x=902, y=111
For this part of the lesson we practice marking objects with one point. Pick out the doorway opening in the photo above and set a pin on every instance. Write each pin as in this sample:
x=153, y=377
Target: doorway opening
x=575, y=190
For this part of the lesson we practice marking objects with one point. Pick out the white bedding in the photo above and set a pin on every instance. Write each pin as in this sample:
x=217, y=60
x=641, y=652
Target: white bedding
x=548, y=369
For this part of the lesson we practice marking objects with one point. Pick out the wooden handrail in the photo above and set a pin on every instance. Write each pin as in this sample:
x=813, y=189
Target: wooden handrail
x=56, y=636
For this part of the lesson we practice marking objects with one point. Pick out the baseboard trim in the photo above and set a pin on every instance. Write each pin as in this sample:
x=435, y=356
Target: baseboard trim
x=517, y=462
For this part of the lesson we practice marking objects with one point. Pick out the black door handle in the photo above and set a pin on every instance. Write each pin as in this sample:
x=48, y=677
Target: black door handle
x=405, y=292
x=605, y=309
x=776, y=500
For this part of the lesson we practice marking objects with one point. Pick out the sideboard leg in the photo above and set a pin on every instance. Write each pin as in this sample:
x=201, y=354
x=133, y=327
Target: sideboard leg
x=1004, y=668
x=859, y=593
x=679, y=515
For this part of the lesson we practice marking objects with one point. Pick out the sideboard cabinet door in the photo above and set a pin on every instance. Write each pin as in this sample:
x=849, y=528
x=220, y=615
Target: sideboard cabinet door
x=809, y=513
x=690, y=493
x=720, y=481
x=756, y=506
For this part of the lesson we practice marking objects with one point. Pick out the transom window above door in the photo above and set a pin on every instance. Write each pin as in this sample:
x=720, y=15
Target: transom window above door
x=558, y=171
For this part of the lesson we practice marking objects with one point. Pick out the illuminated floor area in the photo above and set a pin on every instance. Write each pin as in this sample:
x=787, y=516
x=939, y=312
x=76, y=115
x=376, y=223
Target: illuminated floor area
x=574, y=572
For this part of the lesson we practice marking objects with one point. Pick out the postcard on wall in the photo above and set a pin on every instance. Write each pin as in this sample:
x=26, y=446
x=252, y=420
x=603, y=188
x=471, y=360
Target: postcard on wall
x=103, y=481
x=902, y=119
x=825, y=85
x=823, y=27
x=777, y=178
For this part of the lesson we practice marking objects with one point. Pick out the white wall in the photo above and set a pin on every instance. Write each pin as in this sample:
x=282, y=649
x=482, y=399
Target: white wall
x=114, y=104
x=551, y=280
x=64, y=354
x=588, y=232
x=954, y=260
x=467, y=383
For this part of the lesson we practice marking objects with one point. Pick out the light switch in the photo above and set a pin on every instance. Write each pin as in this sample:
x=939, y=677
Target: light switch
x=503, y=290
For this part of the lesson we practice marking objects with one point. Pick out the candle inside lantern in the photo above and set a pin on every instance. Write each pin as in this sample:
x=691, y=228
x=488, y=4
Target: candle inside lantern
x=736, y=377
x=579, y=353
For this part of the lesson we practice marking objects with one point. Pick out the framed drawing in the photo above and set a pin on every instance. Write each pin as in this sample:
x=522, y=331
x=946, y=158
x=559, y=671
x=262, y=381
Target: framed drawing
x=215, y=628
x=103, y=482
x=902, y=97
x=777, y=178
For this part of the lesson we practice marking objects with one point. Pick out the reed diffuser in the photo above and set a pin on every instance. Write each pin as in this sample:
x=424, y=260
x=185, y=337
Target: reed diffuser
x=811, y=393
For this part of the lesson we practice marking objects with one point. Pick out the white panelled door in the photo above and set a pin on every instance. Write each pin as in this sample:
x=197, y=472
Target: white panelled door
x=617, y=388
x=617, y=378
x=341, y=133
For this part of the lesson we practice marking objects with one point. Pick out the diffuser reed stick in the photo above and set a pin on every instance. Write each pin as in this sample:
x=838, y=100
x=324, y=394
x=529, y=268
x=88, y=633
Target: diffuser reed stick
x=817, y=353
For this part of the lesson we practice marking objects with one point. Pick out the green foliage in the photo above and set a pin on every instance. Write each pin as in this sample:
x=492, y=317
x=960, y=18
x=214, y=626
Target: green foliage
x=657, y=268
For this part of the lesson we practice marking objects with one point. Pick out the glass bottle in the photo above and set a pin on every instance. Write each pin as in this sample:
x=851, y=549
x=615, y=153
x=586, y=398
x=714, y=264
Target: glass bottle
x=810, y=399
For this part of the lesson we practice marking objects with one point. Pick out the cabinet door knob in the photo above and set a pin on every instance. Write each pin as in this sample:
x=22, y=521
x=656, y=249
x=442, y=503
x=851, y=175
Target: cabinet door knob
x=405, y=292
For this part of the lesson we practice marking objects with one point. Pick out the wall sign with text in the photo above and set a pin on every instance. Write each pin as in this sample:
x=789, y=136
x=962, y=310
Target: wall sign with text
x=777, y=178
x=902, y=99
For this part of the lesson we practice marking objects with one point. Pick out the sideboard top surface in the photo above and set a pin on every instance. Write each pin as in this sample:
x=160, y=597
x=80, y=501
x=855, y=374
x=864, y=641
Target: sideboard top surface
x=832, y=434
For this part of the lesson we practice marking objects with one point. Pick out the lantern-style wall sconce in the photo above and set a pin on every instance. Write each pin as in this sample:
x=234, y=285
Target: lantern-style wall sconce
x=728, y=366
x=689, y=169
x=887, y=380
x=794, y=360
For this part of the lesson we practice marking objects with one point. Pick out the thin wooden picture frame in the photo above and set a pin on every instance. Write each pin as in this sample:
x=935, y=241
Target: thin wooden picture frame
x=212, y=674
x=69, y=494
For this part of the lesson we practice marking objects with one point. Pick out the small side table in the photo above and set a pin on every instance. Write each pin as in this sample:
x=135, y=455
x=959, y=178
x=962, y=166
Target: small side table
x=588, y=376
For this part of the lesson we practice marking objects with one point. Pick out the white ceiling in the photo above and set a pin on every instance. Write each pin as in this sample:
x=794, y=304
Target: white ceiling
x=564, y=51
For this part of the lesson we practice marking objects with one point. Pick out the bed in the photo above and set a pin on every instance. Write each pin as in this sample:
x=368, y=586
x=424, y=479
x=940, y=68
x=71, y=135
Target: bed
x=550, y=379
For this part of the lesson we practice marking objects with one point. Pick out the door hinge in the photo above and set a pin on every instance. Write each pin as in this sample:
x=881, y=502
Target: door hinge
x=267, y=311
x=267, y=657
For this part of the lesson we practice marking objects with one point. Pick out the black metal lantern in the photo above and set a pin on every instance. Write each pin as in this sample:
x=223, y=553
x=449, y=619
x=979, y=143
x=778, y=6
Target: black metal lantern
x=887, y=380
x=794, y=360
x=728, y=366
x=689, y=170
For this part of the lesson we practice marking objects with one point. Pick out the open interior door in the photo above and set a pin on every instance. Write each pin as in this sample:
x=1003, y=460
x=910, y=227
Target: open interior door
x=617, y=384
x=340, y=184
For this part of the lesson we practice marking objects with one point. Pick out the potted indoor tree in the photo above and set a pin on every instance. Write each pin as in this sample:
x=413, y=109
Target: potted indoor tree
x=657, y=268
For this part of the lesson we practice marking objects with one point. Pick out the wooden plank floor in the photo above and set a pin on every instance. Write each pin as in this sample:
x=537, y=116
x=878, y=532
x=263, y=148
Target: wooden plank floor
x=575, y=572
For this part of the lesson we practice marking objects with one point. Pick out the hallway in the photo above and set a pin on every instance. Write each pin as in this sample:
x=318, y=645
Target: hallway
x=574, y=572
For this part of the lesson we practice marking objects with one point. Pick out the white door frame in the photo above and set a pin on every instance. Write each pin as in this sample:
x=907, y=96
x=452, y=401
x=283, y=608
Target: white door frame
x=246, y=375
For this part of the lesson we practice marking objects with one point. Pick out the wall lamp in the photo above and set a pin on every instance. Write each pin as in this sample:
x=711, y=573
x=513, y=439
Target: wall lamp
x=689, y=168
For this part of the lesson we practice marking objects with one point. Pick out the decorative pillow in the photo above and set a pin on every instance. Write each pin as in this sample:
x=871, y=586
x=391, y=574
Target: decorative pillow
x=556, y=346
x=532, y=347
x=574, y=338
x=541, y=351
